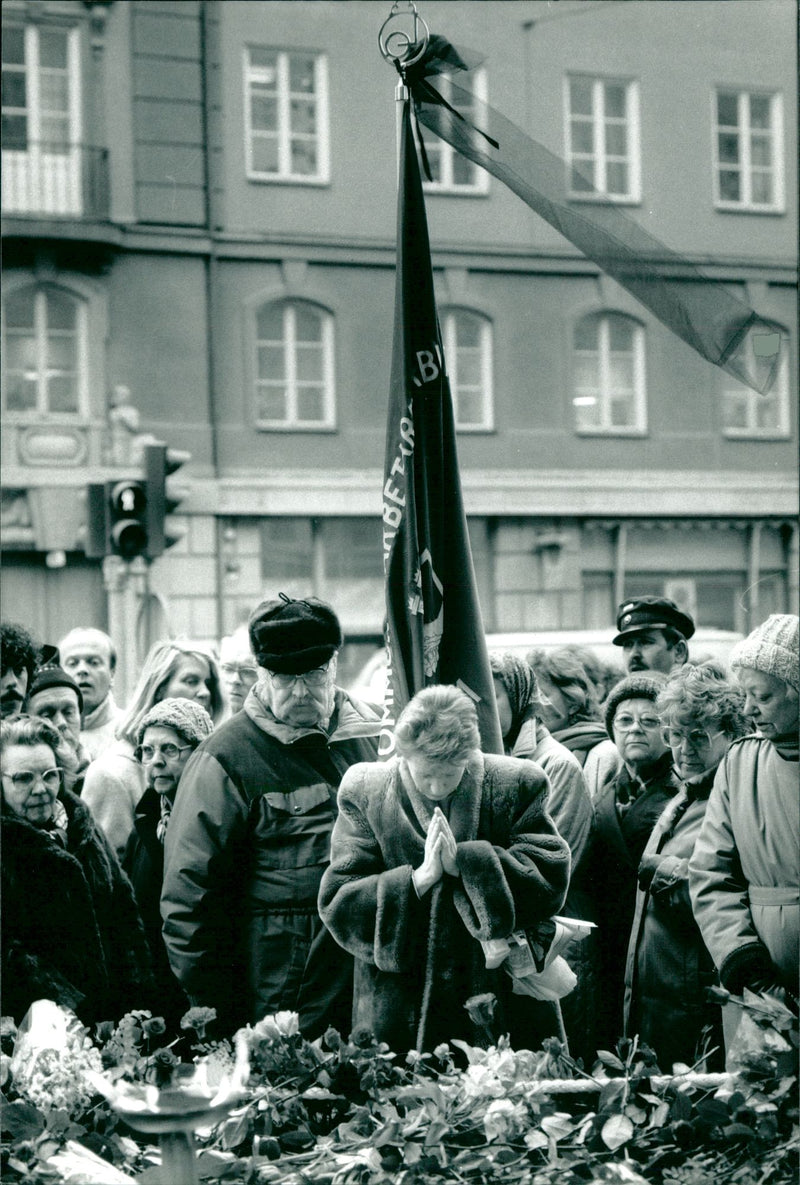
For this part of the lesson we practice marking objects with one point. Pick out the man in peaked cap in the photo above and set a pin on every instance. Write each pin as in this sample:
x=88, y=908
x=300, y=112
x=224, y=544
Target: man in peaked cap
x=249, y=834
x=652, y=632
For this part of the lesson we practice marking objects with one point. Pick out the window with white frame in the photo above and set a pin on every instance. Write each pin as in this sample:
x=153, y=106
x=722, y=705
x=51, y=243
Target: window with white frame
x=44, y=353
x=286, y=115
x=603, y=139
x=41, y=129
x=467, y=340
x=452, y=172
x=609, y=375
x=748, y=159
x=294, y=369
x=748, y=413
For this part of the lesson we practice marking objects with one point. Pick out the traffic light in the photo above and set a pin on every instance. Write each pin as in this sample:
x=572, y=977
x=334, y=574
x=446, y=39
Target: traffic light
x=128, y=504
x=163, y=500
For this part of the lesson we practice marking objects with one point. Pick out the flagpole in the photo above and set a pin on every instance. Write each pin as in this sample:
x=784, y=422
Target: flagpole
x=401, y=45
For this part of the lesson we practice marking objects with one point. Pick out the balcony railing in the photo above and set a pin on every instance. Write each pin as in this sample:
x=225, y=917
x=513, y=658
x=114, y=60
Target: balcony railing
x=55, y=180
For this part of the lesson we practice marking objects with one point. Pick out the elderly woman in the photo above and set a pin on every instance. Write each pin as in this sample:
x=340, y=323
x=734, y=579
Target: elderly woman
x=626, y=811
x=71, y=929
x=114, y=783
x=168, y=735
x=571, y=711
x=669, y=967
x=521, y=709
x=433, y=852
x=744, y=874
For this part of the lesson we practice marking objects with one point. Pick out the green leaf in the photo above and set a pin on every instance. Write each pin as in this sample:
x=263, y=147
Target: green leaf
x=412, y=1153
x=616, y=1131
x=611, y=1094
x=22, y=1121
x=738, y=1130
x=610, y=1059
x=235, y=1131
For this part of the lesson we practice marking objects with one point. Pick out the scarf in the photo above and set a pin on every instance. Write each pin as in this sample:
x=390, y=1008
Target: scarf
x=165, y=806
x=56, y=828
x=520, y=683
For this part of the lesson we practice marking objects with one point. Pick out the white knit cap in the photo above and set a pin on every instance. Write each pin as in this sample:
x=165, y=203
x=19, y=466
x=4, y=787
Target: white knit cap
x=772, y=648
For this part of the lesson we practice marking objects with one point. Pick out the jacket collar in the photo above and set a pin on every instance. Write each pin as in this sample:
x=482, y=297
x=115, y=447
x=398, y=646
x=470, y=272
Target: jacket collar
x=350, y=719
x=104, y=713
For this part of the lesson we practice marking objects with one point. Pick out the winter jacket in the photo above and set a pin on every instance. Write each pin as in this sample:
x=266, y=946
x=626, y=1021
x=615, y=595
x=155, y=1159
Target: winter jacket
x=626, y=811
x=573, y=814
x=143, y=862
x=112, y=787
x=247, y=843
x=71, y=931
x=744, y=875
x=669, y=969
x=418, y=960
x=597, y=754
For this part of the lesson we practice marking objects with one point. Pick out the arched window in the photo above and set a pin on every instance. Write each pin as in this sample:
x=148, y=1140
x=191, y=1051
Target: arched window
x=609, y=375
x=294, y=385
x=748, y=413
x=44, y=352
x=468, y=351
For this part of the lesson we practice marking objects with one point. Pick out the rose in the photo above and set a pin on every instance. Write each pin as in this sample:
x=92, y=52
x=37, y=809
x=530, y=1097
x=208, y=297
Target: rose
x=277, y=1025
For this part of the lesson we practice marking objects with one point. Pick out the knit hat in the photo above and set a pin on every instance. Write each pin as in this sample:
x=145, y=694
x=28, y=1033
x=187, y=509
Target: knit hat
x=186, y=717
x=772, y=648
x=291, y=637
x=642, y=685
x=52, y=675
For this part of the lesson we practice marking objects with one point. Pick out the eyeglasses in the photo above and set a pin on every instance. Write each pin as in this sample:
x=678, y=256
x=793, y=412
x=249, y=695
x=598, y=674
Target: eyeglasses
x=625, y=723
x=246, y=672
x=316, y=678
x=697, y=737
x=25, y=779
x=169, y=752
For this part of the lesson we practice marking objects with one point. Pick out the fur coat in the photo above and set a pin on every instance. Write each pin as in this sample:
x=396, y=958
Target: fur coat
x=419, y=960
x=71, y=931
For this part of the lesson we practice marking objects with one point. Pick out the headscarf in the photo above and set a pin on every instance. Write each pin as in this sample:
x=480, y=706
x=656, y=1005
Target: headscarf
x=521, y=688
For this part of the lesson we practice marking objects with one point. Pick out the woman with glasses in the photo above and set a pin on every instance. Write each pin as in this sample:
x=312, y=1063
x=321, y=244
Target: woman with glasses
x=669, y=968
x=168, y=734
x=744, y=871
x=71, y=929
x=114, y=783
x=626, y=810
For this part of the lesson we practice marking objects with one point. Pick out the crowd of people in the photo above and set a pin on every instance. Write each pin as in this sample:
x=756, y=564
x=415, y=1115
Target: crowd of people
x=229, y=838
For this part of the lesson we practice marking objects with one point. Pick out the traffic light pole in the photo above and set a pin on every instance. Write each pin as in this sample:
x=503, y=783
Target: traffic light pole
x=122, y=613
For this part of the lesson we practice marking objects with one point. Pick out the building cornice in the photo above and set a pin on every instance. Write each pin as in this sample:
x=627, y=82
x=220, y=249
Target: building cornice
x=586, y=493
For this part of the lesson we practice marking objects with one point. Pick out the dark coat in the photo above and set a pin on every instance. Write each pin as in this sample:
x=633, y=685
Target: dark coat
x=419, y=960
x=71, y=931
x=626, y=810
x=144, y=864
x=247, y=843
x=669, y=969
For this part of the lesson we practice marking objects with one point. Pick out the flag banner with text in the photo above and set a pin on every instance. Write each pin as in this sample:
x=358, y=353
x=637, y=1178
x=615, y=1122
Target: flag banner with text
x=434, y=630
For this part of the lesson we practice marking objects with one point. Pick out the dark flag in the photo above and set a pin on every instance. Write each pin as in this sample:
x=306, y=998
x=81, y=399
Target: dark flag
x=434, y=631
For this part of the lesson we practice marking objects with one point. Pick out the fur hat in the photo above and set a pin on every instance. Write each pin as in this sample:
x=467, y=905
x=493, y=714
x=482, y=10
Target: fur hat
x=642, y=685
x=186, y=717
x=292, y=637
x=772, y=648
x=52, y=675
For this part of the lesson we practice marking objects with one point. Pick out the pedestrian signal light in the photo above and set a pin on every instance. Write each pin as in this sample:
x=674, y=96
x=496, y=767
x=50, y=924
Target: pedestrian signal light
x=128, y=504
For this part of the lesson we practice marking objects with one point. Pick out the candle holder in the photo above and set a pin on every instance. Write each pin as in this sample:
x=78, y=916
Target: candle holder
x=174, y=1113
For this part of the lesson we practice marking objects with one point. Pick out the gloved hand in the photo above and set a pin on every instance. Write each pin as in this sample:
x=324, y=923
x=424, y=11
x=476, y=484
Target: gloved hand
x=647, y=869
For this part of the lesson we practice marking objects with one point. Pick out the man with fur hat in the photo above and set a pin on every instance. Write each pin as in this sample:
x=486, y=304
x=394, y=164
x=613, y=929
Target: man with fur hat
x=249, y=834
x=744, y=874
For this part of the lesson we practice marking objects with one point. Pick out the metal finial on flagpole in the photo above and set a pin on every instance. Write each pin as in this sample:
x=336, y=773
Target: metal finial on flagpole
x=400, y=43
x=399, y=37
